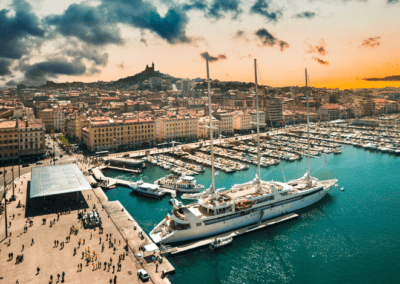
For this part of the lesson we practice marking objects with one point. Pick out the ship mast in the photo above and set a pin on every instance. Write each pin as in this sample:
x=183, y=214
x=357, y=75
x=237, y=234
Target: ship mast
x=258, y=125
x=308, y=131
x=212, y=187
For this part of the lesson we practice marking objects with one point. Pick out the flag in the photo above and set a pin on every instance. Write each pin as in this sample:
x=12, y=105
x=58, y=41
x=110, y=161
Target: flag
x=169, y=215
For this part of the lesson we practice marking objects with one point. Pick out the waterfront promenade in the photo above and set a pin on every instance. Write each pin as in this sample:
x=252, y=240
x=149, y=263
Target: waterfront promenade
x=53, y=260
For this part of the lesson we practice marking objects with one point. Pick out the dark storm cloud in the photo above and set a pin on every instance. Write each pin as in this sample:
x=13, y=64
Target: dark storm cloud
x=200, y=5
x=220, y=7
x=211, y=58
x=144, y=15
x=268, y=39
x=43, y=70
x=16, y=31
x=305, y=15
x=320, y=61
x=371, y=42
x=389, y=78
x=86, y=23
x=5, y=67
x=262, y=8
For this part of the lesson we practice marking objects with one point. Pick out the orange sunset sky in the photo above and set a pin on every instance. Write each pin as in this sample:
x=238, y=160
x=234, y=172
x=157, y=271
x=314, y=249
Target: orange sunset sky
x=341, y=43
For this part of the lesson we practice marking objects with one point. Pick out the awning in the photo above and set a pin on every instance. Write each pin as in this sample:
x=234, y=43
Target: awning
x=151, y=247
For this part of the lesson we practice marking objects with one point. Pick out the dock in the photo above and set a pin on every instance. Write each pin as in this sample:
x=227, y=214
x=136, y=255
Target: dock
x=234, y=233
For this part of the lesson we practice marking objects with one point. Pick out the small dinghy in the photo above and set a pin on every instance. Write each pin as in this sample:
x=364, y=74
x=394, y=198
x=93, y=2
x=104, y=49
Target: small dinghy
x=221, y=242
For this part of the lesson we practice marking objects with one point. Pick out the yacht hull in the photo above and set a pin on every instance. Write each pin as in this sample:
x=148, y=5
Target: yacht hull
x=196, y=232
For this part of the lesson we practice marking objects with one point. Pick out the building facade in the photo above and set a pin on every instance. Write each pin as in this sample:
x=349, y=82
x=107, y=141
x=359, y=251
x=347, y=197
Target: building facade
x=118, y=134
x=177, y=128
x=53, y=119
x=9, y=144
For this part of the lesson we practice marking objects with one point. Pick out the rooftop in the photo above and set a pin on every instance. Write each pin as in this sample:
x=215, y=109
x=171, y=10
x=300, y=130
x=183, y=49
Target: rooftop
x=60, y=179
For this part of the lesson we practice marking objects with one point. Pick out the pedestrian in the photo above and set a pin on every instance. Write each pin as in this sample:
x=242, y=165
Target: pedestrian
x=100, y=241
x=115, y=279
x=83, y=254
x=81, y=266
x=105, y=265
x=115, y=241
x=113, y=269
x=58, y=277
x=33, y=242
x=110, y=259
x=114, y=250
x=111, y=281
x=83, y=242
x=93, y=267
x=51, y=278
x=55, y=243
x=90, y=235
x=156, y=267
x=62, y=277
x=119, y=242
x=23, y=248
x=106, y=237
x=38, y=270
x=78, y=267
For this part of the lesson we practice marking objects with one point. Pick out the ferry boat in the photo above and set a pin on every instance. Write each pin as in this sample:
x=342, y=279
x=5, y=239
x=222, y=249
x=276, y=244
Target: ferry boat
x=147, y=189
x=184, y=184
x=218, y=211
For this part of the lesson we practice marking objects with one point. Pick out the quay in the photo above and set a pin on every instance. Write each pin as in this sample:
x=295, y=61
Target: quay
x=111, y=182
x=234, y=233
x=33, y=229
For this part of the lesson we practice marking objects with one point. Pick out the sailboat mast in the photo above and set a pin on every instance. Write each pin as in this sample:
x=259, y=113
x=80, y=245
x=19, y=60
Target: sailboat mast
x=308, y=127
x=211, y=132
x=258, y=124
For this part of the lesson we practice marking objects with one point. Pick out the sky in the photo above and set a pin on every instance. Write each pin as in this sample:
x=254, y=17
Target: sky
x=343, y=43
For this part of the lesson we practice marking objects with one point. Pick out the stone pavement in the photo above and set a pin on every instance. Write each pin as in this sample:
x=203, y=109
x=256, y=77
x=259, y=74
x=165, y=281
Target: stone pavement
x=53, y=260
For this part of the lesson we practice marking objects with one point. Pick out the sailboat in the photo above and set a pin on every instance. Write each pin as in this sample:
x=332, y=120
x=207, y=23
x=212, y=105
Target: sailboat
x=217, y=211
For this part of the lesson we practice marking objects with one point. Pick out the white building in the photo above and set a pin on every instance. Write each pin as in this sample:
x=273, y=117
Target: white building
x=24, y=113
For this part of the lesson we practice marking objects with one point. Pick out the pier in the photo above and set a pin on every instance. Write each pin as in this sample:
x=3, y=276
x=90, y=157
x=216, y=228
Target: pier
x=234, y=233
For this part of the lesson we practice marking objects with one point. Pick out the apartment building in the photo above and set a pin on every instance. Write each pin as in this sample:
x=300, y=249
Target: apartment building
x=227, y=122
x=9, y=140
x=254, y=119
x=204, y=127
x=53, y=119
x=118, y=134
x=174, y=127
x=31, y=138
x=242, y=121
x=25, y=112
x=273, y=111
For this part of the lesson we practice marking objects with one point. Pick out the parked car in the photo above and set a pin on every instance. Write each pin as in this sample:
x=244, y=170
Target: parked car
x=143, y=274
x=126, y=156
x=25, y=165
x=39, y=163
x=55, y=159
x=61, y=156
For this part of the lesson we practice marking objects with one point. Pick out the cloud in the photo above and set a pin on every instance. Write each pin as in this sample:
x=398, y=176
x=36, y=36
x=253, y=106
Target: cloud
x=144, y=15
x=320, y=61
x=211, y=58
x=388, y=78
x=318, y=48
x=371, y=42
x=86, y=23
x=195, y=5
x=283, y=45
x=305, y=15
x=262, y=8
x=5, y=67
x=17, y=31
x=11, y=83
x=268, y=39
x=218, y=7
x=43, y=70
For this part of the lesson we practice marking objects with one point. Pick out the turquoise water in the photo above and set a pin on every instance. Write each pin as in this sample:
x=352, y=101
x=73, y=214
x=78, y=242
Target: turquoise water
x=350, y=236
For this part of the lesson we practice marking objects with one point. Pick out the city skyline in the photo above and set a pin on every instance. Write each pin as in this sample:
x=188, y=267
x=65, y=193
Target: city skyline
x=348, y=44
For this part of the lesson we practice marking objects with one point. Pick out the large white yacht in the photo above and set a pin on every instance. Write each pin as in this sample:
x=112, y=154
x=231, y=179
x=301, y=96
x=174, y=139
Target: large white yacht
x=147, y=189
x=185, y=184
x=218, y=211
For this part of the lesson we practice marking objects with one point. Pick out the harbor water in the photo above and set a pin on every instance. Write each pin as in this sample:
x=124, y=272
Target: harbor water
x=350, y=236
